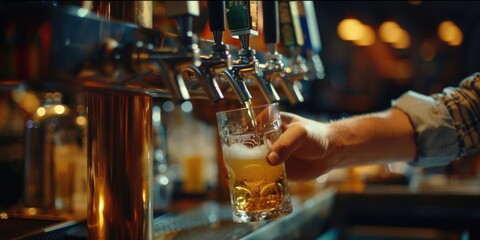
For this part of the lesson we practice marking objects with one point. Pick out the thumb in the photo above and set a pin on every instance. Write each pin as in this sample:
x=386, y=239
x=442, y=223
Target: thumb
x=287, y=143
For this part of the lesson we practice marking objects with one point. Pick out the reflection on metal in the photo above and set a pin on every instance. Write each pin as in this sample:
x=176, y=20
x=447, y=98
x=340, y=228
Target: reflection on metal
x=120, y=166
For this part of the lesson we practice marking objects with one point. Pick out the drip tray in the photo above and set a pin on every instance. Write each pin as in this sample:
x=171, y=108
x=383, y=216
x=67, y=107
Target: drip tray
x=210, y=220
x=33, y=228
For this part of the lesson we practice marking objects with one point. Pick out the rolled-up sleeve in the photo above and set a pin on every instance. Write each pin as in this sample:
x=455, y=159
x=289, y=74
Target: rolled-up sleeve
x=435, y=133
x=446, y=124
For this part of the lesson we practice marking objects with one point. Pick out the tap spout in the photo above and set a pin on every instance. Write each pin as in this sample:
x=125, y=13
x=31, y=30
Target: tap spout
x=292, y=89
x=207, y=81
x=266, y=88
x=174, y=80
x=238, y=86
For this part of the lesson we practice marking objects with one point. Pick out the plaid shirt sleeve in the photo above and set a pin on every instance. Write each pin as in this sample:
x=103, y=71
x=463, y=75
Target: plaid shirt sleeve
x=446, y=124
x=463, y=105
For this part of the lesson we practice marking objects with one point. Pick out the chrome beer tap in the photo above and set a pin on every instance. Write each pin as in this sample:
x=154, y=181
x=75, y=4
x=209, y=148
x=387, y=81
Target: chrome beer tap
x=272, y=69
x=292, y=38
x=242, y=22
x=217, y=64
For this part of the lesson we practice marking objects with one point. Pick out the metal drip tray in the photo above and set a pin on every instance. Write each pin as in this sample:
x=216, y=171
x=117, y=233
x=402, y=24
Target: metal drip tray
x=12, y=228
x=209, y=221
x=42, y=229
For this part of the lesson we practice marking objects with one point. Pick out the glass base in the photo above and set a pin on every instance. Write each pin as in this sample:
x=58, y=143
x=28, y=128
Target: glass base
x=240, y=216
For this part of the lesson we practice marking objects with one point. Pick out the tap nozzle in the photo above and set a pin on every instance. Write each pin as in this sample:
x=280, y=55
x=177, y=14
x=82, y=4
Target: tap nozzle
x=168, y=64
x=291, y=84
x=238, y=86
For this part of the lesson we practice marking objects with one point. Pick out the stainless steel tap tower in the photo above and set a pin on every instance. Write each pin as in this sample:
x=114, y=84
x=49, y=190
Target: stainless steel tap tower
x=110, y=52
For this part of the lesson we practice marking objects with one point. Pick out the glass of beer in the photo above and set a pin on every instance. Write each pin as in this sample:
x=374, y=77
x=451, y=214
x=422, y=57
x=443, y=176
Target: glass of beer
x=258, y=191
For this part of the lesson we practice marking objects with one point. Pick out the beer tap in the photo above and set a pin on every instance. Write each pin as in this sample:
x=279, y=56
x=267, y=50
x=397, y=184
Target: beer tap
x=242, y=22
x=292, y=38
x=157, y=60
x=273, y=68
x=312, y=42
x=215, y=65
x=187, y=51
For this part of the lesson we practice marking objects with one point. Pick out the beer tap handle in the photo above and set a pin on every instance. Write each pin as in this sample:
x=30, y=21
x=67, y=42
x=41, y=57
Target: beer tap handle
x=308, y=20
x=271, y=30
x=183, y=11
x=242, y=21
x=290, y=29
x=312, y=42
x=216, y=18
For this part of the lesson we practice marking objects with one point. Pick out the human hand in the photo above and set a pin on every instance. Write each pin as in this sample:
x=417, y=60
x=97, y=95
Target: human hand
x=304, y=143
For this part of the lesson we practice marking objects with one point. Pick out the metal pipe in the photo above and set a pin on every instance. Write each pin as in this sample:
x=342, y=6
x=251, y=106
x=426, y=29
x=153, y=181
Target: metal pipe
x=120, y=166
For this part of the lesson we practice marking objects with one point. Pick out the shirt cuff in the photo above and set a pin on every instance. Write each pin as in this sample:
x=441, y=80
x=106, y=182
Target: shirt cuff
x=436, y=136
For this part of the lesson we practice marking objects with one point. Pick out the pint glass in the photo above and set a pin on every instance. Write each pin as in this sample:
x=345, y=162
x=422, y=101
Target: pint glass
x=258, y=191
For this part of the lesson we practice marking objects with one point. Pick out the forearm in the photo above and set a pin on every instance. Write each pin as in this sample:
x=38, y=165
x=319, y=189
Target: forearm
x=371, y=139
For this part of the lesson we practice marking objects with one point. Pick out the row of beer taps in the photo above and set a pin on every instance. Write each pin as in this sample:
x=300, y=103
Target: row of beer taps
x=246, y=70
x=216, y=75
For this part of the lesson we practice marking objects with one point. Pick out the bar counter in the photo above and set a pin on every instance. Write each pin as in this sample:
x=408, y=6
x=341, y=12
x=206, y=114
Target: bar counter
x=385, y=212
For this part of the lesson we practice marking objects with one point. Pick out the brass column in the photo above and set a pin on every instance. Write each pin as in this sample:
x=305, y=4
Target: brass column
x=119, y=166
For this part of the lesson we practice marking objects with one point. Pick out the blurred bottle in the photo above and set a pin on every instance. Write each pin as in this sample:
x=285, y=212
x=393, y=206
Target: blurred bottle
x=55, y=158
x=192, y=151
x=163, y=177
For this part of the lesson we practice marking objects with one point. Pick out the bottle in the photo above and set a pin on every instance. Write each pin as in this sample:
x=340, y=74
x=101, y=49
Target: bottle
x=55, y=159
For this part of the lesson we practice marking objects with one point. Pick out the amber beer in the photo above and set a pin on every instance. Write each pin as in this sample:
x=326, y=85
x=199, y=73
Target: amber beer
x=258, y=191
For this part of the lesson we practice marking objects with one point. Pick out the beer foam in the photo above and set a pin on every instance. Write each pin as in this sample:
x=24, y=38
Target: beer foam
x=242, y=152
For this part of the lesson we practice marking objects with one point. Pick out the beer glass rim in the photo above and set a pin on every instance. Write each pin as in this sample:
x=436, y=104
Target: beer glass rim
x=245, y=108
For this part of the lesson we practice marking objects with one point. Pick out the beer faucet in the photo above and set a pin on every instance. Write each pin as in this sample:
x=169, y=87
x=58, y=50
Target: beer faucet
x=297, y=69
x=172, y=62
x=242, y=23
x=312, y=42
x=273, y=68
x=158, y=60
x=215, y=65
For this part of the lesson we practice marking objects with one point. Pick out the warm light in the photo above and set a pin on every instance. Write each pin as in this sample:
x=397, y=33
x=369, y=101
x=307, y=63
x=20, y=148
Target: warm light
x=3, y=215
x=101, y=207
x=390, y=32
x=450, y=33
x=41, y=111
x=59, y=109
x=350, y=29
x=403, y=42
x=367, y=38
x=32, y=211
x=81, y=120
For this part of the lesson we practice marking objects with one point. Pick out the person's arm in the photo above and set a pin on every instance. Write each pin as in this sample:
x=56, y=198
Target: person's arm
x=372, y=139
x=425, y=130
x=313, y=148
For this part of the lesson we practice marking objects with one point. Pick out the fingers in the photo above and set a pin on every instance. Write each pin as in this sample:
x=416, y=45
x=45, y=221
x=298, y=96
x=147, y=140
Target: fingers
x=290, y=141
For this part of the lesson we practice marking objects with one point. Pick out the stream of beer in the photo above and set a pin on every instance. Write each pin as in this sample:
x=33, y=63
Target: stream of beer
x=251, y=113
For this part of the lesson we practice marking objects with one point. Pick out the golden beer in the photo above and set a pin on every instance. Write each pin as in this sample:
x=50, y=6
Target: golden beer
x=258, y=191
